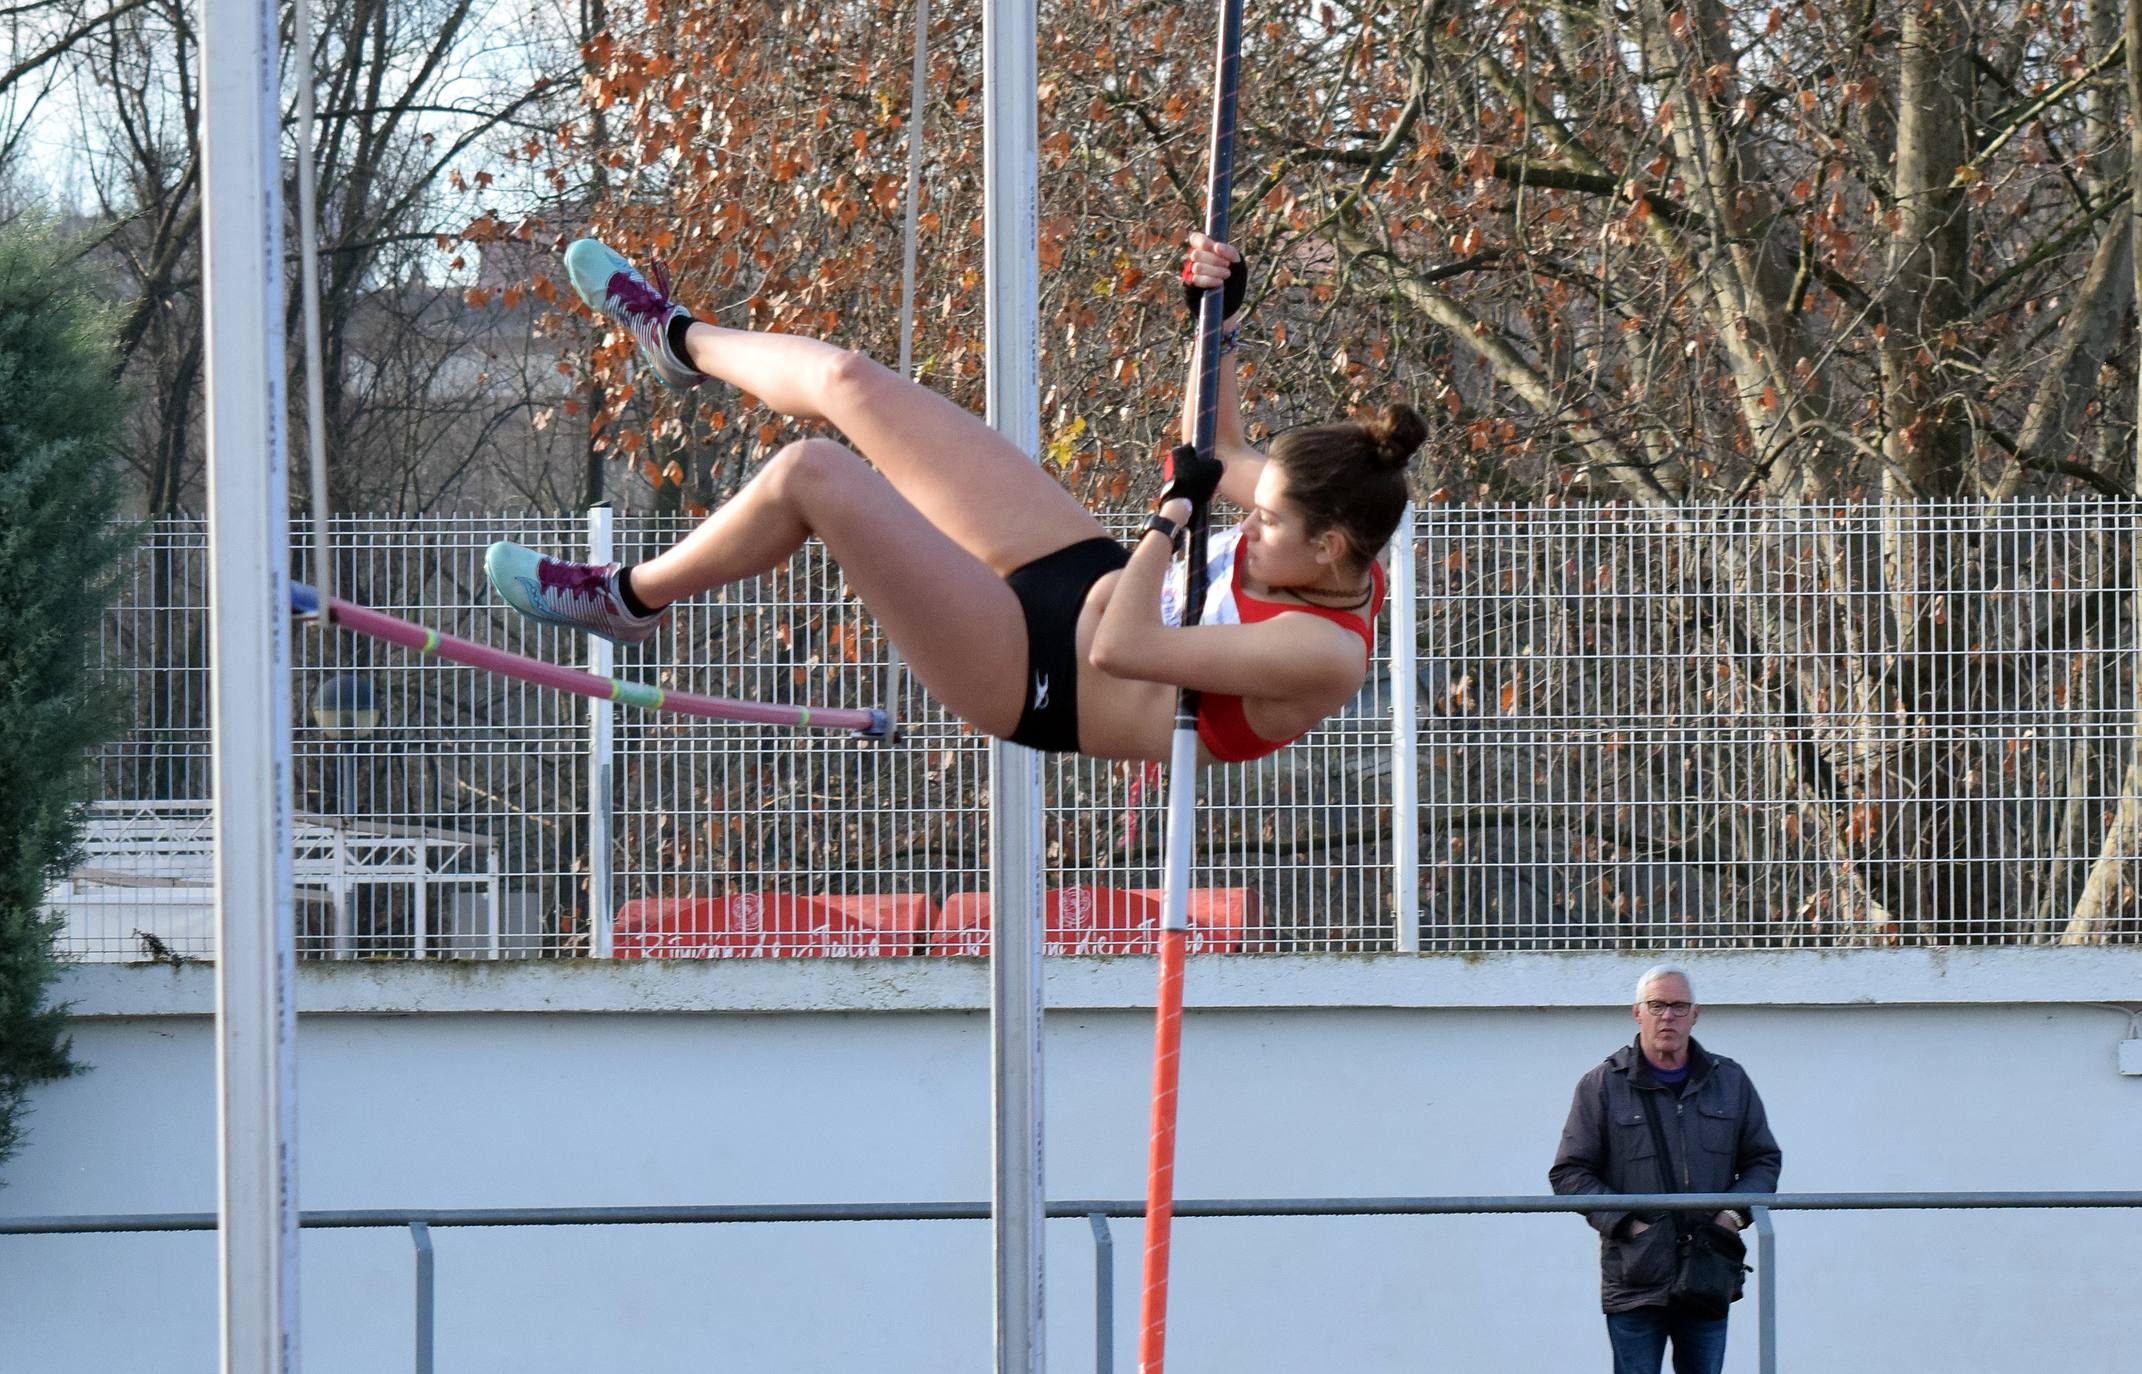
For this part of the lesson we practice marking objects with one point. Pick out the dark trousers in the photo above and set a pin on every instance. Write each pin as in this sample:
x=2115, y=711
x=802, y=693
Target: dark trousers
x=1640, y=1337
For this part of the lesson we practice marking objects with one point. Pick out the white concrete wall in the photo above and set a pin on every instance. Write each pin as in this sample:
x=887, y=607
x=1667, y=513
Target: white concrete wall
x=550, y=1084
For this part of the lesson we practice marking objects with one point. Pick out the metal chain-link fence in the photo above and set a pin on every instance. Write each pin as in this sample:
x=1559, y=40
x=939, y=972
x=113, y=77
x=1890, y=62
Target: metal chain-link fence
x=1761, y=726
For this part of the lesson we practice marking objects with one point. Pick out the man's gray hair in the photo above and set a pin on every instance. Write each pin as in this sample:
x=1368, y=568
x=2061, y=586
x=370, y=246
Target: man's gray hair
x=1657, y=971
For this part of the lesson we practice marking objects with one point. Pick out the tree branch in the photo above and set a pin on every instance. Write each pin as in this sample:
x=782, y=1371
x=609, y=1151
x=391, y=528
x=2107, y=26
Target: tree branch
x=63, y=44
x=1631, y=474
x=1970, y=171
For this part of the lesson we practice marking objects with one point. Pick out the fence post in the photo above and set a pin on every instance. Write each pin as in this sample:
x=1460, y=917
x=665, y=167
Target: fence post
x=420, y=904
x=1405, y=741
x=420, y=1234
x=1104, y=1294
x=341, y=881
x=495, y=942
x=1766, y=1292
x=601, y=742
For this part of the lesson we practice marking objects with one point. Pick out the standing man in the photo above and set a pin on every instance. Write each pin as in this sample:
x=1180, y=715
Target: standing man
x=1717, y=1141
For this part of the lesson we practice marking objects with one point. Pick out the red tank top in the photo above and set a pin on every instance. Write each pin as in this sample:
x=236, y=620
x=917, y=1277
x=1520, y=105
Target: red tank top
x=1221, y=725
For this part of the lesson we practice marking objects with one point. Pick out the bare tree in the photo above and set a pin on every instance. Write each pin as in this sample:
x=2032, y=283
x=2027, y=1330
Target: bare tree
x=1666, y=252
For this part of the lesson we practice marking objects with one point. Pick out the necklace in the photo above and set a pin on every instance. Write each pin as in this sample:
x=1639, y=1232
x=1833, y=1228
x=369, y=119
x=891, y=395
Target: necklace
x=1309, y=595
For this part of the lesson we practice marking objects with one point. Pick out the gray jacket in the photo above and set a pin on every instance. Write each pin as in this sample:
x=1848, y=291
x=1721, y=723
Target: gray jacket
x=1717, y=1138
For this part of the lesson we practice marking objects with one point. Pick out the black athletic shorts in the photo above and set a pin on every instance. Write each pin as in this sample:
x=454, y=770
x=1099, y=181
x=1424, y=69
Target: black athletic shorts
x=1052, y=590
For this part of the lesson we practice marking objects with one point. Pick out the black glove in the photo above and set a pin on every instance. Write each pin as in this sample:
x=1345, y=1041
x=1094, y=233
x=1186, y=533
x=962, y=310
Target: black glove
x=1232, y=291
x=1190, y=478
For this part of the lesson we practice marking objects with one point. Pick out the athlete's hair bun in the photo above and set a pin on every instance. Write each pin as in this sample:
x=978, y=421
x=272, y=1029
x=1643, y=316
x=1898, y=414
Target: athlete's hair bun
x=1350, y=475
x=1395, y=434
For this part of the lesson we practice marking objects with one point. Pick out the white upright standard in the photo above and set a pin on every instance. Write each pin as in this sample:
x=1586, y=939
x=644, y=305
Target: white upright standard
x=1405, y=736
x=1012, y=271
x=249, y=620
x=602, y=737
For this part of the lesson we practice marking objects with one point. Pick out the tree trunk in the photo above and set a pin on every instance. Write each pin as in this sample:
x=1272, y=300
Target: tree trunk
x=2107, y=890
x=2093, y=328
x=1748, y=254
x=1929, y=253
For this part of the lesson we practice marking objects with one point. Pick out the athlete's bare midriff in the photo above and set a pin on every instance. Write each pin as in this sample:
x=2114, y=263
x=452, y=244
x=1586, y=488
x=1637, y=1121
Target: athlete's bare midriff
x=1129, y=718
x=1118, y=718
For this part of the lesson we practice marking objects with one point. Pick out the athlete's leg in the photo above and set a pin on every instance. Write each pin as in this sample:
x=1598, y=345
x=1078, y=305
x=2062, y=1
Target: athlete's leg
x=966, y=478
x=959, y=627
x=994, y=501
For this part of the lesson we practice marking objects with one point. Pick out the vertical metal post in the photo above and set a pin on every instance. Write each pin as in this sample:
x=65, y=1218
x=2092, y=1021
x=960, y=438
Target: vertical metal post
x=323, y=572
x=602, y=749
x=1766, y=1292
x=1012, y=271
x=249, y=613
x=345, y=916
x=495, y=943
x=917, y=110
x=426, y=1289
x=1405, y=741
x=420, y=901
x=1104, y=1295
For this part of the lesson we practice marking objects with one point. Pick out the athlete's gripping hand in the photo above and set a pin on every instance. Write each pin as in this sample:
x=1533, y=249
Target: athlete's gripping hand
x=1187, y=477
x=1208, y=263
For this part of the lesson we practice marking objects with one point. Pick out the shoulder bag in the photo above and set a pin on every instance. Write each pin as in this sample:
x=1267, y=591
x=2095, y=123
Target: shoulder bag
x=1707, y=1272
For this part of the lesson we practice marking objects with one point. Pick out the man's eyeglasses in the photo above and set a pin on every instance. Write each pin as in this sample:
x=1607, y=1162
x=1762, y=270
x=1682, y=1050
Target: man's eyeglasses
x=1664, y=1008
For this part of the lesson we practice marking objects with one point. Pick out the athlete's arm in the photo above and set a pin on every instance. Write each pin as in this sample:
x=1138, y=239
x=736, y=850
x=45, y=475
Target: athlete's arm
x=1208, y=265
x=1286, y=658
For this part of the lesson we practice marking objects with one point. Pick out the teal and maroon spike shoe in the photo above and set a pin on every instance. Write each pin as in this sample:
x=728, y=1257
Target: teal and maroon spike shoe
x=612, y=286
x=579, y=596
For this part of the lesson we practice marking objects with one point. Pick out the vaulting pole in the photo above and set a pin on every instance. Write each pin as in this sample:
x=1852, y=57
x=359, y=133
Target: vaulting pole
x=1182, y=760
x=1012, y=281
x=249, y=628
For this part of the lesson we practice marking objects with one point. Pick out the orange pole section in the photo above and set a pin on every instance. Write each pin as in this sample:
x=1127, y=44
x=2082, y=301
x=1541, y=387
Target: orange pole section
x=1160, y=1161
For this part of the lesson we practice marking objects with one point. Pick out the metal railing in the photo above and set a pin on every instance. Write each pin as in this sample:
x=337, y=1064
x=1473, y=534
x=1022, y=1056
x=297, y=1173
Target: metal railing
x=1763, y=726
x=421, y=1223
